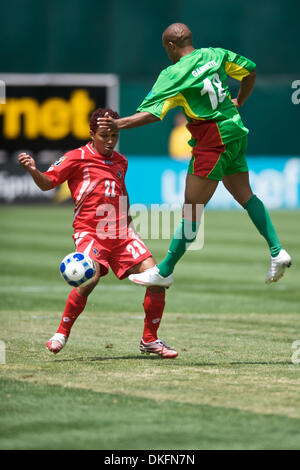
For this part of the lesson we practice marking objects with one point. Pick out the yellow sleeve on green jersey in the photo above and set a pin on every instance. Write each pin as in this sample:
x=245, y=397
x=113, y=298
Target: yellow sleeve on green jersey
x=238, y=66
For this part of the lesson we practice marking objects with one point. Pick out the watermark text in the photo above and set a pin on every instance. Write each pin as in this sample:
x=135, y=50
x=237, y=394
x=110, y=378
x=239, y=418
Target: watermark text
x=296, y=94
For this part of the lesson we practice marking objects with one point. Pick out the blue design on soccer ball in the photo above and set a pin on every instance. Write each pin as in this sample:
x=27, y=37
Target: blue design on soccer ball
x=89, y=273
x=78, y=256
x=77, y=269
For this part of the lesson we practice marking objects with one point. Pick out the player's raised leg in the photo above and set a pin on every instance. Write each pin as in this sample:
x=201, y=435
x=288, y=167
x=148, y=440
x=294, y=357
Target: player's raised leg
x=154, y=303
x=238, y=185
x=198, y=192
x=75, y=305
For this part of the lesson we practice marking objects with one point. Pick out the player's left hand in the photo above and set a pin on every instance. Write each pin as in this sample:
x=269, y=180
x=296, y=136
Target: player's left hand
x=107, y=122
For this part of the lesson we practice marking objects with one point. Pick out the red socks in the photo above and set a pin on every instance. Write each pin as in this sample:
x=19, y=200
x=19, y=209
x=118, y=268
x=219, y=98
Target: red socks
x=74, y=306
x=154, y=304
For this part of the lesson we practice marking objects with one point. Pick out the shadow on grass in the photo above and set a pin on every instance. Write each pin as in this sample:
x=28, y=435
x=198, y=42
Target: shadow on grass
x=109, y=358
x=181, y=364
x=263, y=363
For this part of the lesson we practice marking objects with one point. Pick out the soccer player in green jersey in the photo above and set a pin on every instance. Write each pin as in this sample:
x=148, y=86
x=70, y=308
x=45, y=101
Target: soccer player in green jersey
x=196, y=82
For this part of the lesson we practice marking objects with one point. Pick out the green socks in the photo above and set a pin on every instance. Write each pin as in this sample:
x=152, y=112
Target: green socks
x=262, y=221
x=184, y=235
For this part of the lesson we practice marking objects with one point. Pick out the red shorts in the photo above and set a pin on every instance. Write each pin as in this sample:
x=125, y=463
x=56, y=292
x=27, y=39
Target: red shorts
x=118, y=254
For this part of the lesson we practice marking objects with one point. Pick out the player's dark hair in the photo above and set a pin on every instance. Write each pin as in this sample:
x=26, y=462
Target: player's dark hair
x=100, y=112
x=179, y=34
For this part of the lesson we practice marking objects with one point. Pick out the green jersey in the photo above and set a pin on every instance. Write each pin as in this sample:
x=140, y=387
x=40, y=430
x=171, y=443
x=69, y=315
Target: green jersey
x=197, y=84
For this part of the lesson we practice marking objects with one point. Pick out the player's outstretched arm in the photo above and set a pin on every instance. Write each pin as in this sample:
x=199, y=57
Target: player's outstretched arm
x=246, y=87
x=129, y=122
x=41, y=180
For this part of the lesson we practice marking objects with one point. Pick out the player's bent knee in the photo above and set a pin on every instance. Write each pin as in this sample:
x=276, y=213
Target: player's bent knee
x=244, y=198
x=86, y=290
x=142, y=266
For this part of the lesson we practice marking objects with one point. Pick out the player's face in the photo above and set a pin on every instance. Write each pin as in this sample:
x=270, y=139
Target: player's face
x=104, y=141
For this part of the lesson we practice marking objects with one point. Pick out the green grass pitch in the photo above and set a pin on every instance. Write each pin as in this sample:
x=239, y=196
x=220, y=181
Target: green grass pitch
x=233, y=385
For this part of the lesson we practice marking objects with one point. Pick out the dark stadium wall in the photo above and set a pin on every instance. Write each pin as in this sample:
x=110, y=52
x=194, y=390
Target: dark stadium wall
x=113, y=36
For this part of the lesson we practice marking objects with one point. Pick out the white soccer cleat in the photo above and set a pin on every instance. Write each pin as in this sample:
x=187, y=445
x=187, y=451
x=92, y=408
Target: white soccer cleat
x=56, y=343
x=158, y=347
x=278, y=265
x=151, y=277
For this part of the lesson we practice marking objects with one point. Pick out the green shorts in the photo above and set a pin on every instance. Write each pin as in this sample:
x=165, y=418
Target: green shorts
x=216, y=162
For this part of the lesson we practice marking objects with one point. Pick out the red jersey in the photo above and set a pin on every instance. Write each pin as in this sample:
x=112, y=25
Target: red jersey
x=97, y=184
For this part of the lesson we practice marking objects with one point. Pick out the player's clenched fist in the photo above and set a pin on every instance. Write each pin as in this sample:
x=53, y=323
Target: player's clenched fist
x=27, y=162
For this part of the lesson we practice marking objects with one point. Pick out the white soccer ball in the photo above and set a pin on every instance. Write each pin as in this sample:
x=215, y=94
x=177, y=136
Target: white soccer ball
x=77, y=269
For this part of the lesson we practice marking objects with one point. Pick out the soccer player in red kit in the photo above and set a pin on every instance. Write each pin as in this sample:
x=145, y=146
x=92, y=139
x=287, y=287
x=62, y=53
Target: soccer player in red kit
x=103, y=228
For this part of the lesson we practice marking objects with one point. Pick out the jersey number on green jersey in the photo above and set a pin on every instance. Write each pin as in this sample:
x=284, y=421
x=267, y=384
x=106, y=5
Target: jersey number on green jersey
x=215, y=96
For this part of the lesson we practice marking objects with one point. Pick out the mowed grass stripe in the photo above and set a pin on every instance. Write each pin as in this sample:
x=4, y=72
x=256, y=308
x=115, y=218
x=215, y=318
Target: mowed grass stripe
x=53, y=417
